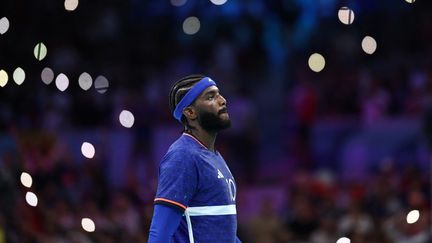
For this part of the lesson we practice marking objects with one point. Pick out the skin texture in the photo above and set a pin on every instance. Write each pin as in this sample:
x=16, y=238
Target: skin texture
x=213, y=106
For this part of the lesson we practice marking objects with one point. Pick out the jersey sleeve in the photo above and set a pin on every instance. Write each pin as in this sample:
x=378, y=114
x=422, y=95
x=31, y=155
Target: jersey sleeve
x=164, y=223
x=178, y=179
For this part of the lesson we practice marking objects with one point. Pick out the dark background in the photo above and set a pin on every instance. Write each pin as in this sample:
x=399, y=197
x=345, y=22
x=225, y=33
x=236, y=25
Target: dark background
x=317, y=156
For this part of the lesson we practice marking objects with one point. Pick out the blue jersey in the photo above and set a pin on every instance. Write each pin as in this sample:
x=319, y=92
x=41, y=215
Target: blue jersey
x=198, y=182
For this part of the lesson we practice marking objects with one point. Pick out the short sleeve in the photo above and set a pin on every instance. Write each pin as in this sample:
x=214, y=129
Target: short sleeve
x=178, y=178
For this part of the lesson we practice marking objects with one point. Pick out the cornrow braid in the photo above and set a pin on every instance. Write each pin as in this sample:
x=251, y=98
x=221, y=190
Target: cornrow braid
x=179, y=90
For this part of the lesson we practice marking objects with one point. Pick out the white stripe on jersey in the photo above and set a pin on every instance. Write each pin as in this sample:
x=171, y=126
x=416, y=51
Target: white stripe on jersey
x=207, y=211
x=212, y=210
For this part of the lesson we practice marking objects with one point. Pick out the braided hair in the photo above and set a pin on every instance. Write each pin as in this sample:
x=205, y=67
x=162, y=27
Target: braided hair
x=179, y=90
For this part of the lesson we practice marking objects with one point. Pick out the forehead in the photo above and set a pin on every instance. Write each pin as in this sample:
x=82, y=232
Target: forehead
x=211, y=89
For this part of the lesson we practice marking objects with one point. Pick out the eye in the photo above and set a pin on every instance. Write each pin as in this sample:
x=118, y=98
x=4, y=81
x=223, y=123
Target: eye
x=210, y=97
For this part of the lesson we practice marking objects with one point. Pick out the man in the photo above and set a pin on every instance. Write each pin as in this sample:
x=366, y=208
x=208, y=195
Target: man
x=195, y=198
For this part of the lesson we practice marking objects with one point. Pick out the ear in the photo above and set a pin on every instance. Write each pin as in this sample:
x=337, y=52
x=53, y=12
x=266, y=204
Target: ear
x=190, y=113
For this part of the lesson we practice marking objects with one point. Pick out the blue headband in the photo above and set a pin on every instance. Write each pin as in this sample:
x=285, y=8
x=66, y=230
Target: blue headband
x=191, y=95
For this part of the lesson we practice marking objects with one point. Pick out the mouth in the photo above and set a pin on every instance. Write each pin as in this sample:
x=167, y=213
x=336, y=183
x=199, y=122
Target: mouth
x=223, y=111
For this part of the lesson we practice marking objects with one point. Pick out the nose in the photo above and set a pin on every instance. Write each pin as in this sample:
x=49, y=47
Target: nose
x=222, y=100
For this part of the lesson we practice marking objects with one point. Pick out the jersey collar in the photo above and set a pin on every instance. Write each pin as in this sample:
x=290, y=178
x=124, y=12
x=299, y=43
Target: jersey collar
x=196, y=140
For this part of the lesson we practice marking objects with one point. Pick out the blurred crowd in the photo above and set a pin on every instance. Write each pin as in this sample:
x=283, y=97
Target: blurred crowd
x=258, y=52
x=310, y=206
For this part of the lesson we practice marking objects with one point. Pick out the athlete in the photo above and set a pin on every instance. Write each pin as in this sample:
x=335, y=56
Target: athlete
x=195, y=198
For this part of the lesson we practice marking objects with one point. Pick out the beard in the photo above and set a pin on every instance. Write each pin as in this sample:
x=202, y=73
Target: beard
x=212, y=122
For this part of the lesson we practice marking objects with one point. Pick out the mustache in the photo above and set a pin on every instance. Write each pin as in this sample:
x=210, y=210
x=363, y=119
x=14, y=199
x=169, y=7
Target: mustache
x=223, y=110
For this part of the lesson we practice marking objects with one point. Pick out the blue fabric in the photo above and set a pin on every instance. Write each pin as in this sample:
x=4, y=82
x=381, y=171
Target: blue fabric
x=165, y=222
x=191, y=95
x=193, y=176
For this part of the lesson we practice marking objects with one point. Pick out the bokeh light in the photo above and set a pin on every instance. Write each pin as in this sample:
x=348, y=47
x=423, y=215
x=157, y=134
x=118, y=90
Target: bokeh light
x=31, y=199
x=4, y=25
x=19, y=75
x=26, y=179
x=316, y=62
x=70, y=5
x=412, y=216
x=3, y=78
x=369, y=45
x=346, y=15
x=178, y=3
x=40, y=51
x=218, y=2
x=88, y=225
x=47, y=75
x=62, y=82
x=101, y=84
x=85, y=81
x=345, y=105
x=191, y=25
x=126, y=118
x=343, y=240
x=88, y=150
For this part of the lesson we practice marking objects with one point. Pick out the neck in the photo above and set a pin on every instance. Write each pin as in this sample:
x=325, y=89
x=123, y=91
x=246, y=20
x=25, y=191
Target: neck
x=206, y=138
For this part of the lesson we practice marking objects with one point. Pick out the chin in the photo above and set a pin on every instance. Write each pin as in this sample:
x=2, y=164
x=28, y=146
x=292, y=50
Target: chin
x=225, y=118
x=226, y=123
x=223, y=115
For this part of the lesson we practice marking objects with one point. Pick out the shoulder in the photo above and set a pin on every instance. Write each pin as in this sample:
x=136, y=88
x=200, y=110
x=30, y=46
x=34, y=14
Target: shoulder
x=181, y=153
x=179, y=157
x=183, y=148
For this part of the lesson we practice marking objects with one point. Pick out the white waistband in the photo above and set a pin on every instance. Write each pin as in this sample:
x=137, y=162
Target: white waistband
x=212, y=210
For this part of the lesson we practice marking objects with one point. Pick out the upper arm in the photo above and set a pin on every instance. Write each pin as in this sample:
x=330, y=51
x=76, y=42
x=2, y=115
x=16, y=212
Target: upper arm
x=165, y=222
x=178, y=180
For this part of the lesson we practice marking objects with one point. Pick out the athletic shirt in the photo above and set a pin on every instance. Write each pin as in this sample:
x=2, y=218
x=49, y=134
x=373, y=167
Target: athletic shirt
x=198, y=182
